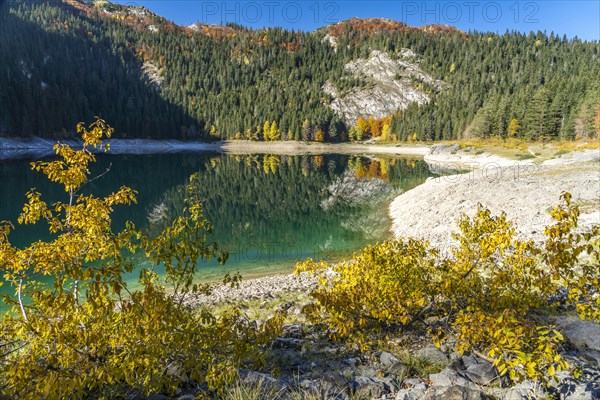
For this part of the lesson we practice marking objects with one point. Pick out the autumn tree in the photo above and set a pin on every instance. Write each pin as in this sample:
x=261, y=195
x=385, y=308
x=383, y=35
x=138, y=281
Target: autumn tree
x=386, y=132
x=374, y=127
x=307, y=131
x=274, y=132
x=78, y=330
x=319, y=135
x=266, y=131
x=514, y=128
x=362, y=125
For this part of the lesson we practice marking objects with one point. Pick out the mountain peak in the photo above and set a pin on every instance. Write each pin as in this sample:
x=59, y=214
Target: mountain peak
x=381, y=25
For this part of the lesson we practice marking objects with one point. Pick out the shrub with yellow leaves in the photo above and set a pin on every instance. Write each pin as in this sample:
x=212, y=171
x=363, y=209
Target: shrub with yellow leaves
x=484, y=293
x=76, y=330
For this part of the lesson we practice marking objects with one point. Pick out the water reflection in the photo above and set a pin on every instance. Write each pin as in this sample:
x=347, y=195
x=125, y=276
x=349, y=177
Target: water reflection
x=268, y=211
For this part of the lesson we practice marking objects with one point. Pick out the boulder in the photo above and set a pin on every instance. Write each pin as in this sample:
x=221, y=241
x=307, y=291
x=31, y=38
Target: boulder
x=368, y=387
x=258, y=378
x=448, y=377
x=387, y=359
x=577, y=390
x=477, y=370
x=413, y=391
x=454, y=393
x=295, y=331
x=582, y=334
x=433, y=355
x=288, y=343
x=585, y=335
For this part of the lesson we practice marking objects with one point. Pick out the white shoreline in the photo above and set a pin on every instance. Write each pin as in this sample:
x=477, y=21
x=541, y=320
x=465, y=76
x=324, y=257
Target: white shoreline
x=39, y=147
x=524, y=190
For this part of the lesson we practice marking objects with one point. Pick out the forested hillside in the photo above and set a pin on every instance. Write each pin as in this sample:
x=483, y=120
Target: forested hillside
x=63, y=62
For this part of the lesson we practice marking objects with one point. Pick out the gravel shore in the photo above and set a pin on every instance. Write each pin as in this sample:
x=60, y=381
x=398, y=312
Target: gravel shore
x=525, y=190
x=255, y=289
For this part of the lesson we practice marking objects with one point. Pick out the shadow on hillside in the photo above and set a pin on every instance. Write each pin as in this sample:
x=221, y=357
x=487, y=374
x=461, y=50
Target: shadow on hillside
x=52, y=80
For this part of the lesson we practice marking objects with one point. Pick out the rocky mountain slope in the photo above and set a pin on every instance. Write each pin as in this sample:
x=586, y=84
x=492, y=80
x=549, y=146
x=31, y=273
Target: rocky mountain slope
x=392, y=84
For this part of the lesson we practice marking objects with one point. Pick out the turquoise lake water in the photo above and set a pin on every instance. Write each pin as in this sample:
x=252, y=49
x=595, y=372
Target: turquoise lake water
x=268, y=211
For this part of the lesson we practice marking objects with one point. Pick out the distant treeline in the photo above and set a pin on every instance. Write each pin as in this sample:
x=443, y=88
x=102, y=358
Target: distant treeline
x=67, y=62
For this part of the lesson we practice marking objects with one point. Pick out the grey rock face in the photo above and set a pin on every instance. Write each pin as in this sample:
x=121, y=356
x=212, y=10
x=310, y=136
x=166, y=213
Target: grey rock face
x=394, y=84
x=153, y=74
x=288, y=343
x=415, y=391
x=582, y=334
x=455, y=393
x=448, y=377
x=257, y=378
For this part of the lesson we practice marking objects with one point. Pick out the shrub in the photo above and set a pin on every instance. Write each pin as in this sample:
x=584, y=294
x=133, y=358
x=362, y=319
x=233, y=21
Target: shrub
x=484, y=292
x=83, y=332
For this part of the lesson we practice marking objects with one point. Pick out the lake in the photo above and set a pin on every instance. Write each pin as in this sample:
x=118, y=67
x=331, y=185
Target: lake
x=268, y=211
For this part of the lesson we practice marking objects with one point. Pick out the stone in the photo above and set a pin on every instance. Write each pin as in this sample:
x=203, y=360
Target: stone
x=398, y=370
x=455, y=393
x=367, y=371
x=337, y=381
x=577, y=390
x=285, y=306
x=414, y=392
x=388, y=359
x=351, y=361
x=477, y=370
x=157, y=397
x=585, y=335
x=387, y=382
x=288, y=343
x=449, y=377
x=258, y=378
x=367, y=387
x=582, y=334
x=522, y=391
x=289, y=358
x=324, y=388
x=433, y=355
x=295, y=331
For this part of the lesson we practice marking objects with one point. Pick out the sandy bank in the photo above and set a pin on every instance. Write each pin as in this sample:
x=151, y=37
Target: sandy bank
x=525, y=190
x=292, y=147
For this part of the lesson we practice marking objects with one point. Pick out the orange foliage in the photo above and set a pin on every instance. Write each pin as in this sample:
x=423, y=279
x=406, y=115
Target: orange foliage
x=319, y=160
x=319, y=136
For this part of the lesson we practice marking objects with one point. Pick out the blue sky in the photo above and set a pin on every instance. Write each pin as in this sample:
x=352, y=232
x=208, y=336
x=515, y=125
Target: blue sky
x=573, y=18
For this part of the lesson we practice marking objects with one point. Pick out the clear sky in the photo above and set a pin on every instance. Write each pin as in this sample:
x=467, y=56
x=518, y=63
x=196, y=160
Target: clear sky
x=573, y=18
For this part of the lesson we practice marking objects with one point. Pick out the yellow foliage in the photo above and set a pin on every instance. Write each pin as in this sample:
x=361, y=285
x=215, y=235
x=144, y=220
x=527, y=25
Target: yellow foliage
x=484, y=289
x=84, y=333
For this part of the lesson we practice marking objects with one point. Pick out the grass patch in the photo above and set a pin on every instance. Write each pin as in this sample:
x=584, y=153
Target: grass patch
x=419, y=367
x=524, y=156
